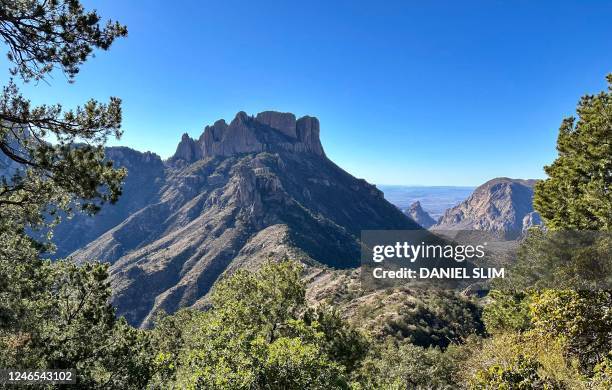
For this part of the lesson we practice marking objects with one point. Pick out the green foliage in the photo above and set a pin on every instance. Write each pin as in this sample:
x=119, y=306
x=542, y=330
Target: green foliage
x=265, y=300
x=167, y=340
x=582, y=318
x=60, y=318
x=562, y=260
x=344, y=344
x=602, y=380
x=48, y=176
x=564, y=270
x=43, y=35
x=507, y=312
x=577, y=195
x=581, y=321
x=57, y=315
x=258, y=334
x=522, y=374
x=52, y=156
x=575, y=202
x=291, y=363
x=406, y=366
x=439, y=320
x=503, y=350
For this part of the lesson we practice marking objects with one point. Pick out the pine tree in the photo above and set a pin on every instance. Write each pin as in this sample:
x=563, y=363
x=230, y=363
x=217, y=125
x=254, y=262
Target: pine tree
x=577, y=194
x=56, y=314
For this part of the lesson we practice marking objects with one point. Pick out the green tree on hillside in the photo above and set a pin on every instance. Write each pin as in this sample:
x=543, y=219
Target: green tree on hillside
x=57, y=315
x=577, y=193
x=258, y=334
x=38, y=175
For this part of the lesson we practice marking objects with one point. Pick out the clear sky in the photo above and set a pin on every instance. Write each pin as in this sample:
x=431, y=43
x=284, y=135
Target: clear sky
x=427, y=92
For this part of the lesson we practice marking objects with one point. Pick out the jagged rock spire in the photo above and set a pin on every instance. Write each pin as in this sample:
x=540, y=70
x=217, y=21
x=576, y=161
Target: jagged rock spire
x=420, y=216
x=267, y=131
x=187, y=150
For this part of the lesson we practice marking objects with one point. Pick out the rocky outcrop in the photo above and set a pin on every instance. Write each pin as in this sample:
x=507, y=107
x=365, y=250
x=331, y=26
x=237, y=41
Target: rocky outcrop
x=502, y=206
x=267, y=131
x=239, y=137
x=307, y=129
x=256, y=194
x=188, y=150
x=282, y=121
x=420, y=216
x=531, y=220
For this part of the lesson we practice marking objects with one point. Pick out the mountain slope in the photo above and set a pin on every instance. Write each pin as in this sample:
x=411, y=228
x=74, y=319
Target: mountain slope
x=502, y=206
x=260, y=187
x=146, y=175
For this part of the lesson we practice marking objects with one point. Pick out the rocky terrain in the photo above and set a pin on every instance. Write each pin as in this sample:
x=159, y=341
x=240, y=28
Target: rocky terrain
x=420, y=216
x=146, y=174
x=502, y=206
x=257, y=188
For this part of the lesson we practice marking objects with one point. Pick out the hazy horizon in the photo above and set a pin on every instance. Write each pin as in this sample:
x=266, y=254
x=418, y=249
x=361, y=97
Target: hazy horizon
x=435, y=200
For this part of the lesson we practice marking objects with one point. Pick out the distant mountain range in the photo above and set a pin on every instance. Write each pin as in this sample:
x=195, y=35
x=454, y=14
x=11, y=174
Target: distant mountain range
x=259, y=187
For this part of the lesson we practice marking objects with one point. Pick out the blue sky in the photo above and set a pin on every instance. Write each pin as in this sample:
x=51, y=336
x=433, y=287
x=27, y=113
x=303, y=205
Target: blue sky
x=431, y=93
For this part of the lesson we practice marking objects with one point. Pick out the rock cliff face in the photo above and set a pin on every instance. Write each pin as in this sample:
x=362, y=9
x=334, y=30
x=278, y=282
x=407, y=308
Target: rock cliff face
x=259, y=188
x=503, y=206
x=420, y=216
x=188, y=150
x=283, y=122
x=268, y=131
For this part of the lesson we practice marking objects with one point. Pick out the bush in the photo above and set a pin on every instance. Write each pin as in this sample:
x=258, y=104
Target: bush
x=521, y=374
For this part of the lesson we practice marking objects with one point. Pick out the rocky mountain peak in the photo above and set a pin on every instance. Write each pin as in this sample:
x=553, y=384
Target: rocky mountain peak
x=240, y=118
x=418, y=215
x=266, y=131
x=502, y=205
x=307, y=129
x=188, y=150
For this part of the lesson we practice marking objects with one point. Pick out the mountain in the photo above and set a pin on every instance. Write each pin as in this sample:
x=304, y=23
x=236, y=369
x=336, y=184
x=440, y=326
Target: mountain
x=418, y=215
x=502, y=206
x=146, y=174
x=260, y=187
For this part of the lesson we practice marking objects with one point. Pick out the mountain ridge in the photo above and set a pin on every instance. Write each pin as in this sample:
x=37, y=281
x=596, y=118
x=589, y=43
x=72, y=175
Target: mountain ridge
x=266, y=131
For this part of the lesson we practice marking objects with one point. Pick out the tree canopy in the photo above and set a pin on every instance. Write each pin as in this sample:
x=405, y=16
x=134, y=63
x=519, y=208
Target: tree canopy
x=577, y=193
x=57, y=314
x=52, y=156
